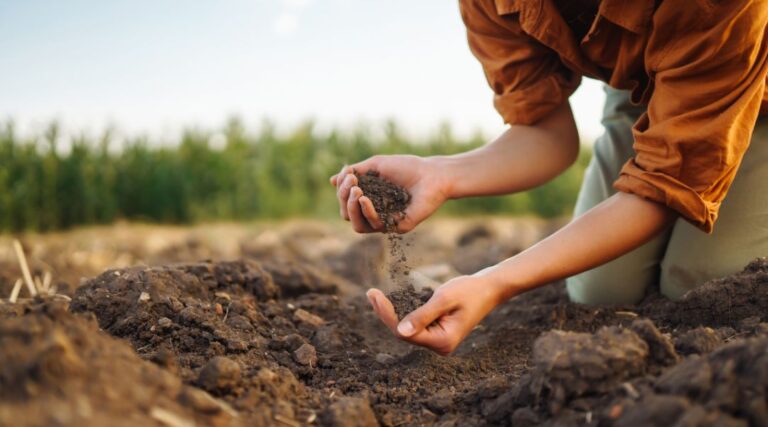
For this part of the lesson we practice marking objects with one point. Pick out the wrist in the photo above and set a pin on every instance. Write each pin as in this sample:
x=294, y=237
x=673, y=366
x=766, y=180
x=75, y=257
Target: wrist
x=502, y=280
x=445, y=171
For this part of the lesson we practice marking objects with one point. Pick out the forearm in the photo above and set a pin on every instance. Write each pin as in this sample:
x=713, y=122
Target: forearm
x=522, y=158
x=614, y=227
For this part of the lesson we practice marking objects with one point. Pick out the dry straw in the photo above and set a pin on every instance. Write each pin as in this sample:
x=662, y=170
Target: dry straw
x=35, y=284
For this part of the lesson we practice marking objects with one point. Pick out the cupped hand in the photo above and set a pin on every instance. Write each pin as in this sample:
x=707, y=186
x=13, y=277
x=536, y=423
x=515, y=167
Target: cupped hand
x=446, y=319
x=421, y=177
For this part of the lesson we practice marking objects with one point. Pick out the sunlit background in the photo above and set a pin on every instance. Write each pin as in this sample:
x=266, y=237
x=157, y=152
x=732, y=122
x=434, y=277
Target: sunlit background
x=154, y=67
x=201, y=111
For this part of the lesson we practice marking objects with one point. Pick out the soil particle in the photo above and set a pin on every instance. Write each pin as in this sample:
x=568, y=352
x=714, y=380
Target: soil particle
x=407, y=299
x=698, y=341
x=385, y=359
x=350, y=412
x=306, y=355
x=328, y=339
x=220, y=373
x=660, y=347
x=304, y=317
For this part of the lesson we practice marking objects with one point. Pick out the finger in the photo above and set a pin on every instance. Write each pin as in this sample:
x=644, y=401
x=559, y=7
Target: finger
x=336, y=179
x=418, y=320
x=343, y=194
x=436, y=338
x=366, y=165
x=370, y=214
x=383, y=308
x=405, y=222
x=359, y=223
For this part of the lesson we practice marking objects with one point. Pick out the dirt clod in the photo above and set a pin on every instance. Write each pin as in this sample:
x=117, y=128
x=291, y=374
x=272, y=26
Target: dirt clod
x=306, y=355
x=350, y=412
x=220, y=373
x=698, y=341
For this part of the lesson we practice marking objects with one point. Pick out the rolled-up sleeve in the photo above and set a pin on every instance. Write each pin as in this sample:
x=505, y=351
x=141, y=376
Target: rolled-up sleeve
x=709, y=69
x=528, y=79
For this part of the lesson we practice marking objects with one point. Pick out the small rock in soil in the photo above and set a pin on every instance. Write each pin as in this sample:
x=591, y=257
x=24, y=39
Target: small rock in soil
x=204, y=402
x=328, y=339
x=350, y=412
x=164, y=322
x=220, y=373
x=385, y=359
x=307, y=318
x=407, y=299
x=306, y=355
x=660, y=347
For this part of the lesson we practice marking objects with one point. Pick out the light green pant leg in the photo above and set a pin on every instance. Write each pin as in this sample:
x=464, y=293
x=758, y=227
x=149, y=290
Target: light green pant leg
x=625, y=279
x=741, y=231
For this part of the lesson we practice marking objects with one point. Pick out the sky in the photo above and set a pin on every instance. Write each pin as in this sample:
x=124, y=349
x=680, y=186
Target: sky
x=154, y=67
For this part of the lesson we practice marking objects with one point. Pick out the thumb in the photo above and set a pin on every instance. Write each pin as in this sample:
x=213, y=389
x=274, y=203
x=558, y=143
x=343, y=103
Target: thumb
x=423, y=316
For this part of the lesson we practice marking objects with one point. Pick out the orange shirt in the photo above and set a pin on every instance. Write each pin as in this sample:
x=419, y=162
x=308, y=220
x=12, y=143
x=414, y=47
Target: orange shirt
x=699, y=65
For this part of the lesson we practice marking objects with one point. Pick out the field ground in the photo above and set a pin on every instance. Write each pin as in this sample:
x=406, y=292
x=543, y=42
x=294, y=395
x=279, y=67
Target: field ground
x=267, y=324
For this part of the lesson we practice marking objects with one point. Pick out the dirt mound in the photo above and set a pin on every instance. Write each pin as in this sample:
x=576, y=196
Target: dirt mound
x=728, y=387
x=720, y=302
x=59, y=369
x=273, y=342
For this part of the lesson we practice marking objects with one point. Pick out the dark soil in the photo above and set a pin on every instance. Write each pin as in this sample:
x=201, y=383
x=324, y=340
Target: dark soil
x=389, y=200
x=249, y=343
x=407, y=299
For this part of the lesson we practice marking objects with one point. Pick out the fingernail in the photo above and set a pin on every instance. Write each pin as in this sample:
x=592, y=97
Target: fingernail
x=405, y=328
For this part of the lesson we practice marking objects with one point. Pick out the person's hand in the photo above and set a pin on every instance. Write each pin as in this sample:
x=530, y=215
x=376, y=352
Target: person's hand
x=421, y=177
x=455, y=308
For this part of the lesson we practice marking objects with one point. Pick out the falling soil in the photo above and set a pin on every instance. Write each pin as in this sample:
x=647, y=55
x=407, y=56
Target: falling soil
x=390, y=202
x=272, y=342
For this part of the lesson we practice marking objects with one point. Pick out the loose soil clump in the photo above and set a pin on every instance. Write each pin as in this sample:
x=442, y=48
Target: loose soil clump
x=407, y=299
x=389, y=200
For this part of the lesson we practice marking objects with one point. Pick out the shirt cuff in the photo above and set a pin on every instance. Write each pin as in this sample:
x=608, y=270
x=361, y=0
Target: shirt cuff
x=667, y=190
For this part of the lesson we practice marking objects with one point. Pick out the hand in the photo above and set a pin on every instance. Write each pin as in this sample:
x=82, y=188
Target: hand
x=422, y=177
x=455, y=308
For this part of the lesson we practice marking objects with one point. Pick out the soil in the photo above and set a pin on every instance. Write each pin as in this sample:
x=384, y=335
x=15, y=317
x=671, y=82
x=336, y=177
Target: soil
x=274, y=341
x=407, y=299
x=389, y=200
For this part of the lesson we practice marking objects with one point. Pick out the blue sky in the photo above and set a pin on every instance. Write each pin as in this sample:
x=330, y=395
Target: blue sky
x=156, y=66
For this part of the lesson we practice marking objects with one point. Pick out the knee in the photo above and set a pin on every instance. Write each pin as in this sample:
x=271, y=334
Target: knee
x=677, y=278
x=602, y=286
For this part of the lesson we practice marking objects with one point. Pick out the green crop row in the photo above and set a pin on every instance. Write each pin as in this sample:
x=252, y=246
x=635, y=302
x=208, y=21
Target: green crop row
x=47, y=182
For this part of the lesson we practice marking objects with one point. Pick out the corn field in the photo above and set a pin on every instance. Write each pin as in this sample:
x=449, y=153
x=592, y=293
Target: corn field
x=49, y=183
